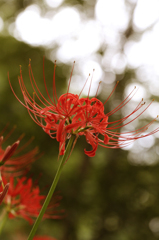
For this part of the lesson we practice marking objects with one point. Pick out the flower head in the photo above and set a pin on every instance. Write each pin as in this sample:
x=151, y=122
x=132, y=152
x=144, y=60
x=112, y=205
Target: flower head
x=69, y=114
x=25, y=201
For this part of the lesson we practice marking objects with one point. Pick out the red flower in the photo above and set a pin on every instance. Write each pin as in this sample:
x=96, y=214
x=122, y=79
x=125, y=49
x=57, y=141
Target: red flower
x=24, y=200
x=16, y=166
x=69, y=114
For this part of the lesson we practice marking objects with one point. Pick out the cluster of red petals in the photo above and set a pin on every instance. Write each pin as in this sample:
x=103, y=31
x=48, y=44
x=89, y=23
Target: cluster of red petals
x=74, y=115
x=69, y=114
x=25, y=201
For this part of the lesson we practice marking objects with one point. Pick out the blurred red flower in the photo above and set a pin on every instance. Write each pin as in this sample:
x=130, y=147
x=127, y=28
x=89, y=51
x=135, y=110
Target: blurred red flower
x=24, y=200
x=69, y=114
x=19, y=165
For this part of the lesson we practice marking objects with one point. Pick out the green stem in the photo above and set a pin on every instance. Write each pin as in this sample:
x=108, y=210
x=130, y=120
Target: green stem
x=53, y=186
x=3, y=220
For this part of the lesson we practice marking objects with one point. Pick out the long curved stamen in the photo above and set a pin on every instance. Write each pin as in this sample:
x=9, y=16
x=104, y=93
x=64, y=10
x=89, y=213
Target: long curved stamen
x=124, y=102
x=32, y=77
x=55, y=98
x=90, y=84
x=98, y=89
x=45, y=84
x=111, y=93
x=70, y=77
x=114, y=127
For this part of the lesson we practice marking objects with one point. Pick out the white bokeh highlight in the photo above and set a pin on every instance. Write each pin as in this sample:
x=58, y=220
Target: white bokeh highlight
x=1, y=24
x=86, y=42
x=146, y=13
x=37, y=30
x=54, y=3
x=112, y=14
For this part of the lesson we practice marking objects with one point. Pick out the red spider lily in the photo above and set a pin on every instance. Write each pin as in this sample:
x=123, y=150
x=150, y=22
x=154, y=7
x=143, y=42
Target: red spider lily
x=24, y=200
x=69, y=114
x=16, y=166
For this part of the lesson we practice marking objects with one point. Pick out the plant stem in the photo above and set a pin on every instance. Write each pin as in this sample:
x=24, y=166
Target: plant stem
x=53, y=186
x=3, y=220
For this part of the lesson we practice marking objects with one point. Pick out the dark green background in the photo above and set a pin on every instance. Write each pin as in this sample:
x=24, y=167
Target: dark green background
x=105, y=197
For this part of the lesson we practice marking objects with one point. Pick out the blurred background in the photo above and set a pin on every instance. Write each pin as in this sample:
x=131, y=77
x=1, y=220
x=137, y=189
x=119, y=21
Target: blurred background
x=114, y=195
